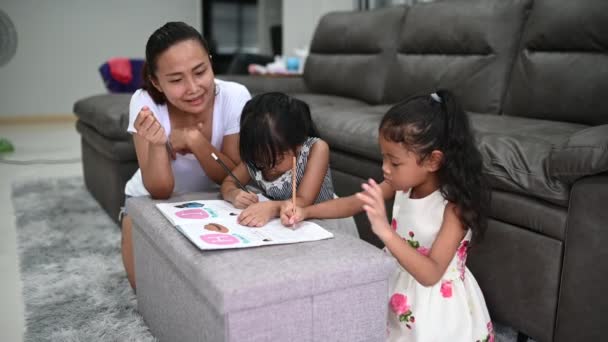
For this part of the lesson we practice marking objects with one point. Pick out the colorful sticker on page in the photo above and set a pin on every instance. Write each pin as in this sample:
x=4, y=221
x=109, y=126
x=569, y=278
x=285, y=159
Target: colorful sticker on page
x=220, y=239
x=190, y=205
x=196, y=214
x=216, y=227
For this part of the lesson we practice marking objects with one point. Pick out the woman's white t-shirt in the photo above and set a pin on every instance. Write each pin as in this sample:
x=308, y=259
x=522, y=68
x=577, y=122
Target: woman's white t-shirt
x=188, y=174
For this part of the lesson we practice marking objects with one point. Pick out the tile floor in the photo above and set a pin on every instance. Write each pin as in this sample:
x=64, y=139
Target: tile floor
x=48, y=141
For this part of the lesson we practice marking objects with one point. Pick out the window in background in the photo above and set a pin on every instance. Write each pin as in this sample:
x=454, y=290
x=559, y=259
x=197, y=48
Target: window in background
x=235, y=26
x=242, y=32
x=230, y=26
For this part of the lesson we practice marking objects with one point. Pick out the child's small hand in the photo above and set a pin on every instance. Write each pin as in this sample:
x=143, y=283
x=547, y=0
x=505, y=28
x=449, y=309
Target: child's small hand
x=258, y=214
x=289, y=216
x=149, y=128
x=243, y=199
x=373, y=204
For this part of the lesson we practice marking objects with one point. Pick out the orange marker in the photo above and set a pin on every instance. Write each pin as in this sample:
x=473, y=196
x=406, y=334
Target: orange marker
x=293, y=185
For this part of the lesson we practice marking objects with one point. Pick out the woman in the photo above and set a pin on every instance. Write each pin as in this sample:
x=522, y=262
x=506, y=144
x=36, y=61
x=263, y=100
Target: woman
x=181, y=115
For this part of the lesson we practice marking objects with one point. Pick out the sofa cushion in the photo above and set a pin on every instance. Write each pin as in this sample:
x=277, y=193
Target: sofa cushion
x=561, y=72
x=317, y=102
x=349, y=53
x=116, y=150
x=529, y=213
x=355, y=166
x=585, y=153
x=108, y=114
x=352, y=130
x=465, y=46
x=257, y=84
x=516, y=153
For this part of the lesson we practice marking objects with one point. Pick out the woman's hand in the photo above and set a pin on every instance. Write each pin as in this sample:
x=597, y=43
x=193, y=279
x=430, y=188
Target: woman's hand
x=373, y=204
x=184, y=139
x=149, y=128
x=290, y=215
x=258, y=214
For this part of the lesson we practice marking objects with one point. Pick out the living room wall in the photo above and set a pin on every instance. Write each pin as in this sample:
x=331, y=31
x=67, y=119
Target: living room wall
x=61, y=44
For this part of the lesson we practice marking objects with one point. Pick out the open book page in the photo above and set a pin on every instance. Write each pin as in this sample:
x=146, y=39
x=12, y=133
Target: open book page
x=212, y=224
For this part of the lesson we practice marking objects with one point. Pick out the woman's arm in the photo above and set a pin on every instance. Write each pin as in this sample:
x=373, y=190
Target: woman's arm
x=193, y=140
x=152, y=156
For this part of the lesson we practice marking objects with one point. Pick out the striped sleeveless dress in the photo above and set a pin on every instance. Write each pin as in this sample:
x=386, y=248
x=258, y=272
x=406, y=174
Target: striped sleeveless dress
x=280, y=188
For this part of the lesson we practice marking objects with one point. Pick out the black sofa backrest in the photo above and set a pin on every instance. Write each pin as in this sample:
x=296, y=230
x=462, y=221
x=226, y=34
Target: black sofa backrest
x=467, y=46
x=561, y=71
x=350, y=51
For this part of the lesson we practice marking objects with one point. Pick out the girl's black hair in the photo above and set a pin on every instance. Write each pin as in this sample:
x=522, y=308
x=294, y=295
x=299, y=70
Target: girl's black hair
x=425, y=123
x=162, y=39
x=273, y=124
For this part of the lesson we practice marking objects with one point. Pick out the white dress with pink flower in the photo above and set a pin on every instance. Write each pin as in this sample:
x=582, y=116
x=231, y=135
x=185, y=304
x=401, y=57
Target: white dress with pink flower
x=451, y=310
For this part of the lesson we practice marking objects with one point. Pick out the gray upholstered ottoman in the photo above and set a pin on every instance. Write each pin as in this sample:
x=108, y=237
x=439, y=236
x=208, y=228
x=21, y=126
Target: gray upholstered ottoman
x=329, y=290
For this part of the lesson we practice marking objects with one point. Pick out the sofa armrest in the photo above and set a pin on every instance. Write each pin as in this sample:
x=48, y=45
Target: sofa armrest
x=263, y=84
x=582, y=304
x=585, y=153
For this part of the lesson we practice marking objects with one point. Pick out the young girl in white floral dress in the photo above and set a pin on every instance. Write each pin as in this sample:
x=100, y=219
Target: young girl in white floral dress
x=433, y=170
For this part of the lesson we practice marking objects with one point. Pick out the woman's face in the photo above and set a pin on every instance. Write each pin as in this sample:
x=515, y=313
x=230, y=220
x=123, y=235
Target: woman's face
x=184, y=75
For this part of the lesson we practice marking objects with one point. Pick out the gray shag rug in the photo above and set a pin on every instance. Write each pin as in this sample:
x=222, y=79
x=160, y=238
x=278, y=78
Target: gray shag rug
x=74, y=284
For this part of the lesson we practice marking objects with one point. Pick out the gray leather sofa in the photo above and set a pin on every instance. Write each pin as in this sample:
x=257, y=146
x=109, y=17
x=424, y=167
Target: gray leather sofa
x=532, y=76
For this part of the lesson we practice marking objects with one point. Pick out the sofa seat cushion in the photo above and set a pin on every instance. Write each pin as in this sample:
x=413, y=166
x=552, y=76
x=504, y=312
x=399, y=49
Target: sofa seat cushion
x=530, y=213
x=516, y=154
x=352, y=130
x=108, y=114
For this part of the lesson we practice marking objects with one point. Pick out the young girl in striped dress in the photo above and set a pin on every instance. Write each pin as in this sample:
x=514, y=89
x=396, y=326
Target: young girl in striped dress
x=274, y=129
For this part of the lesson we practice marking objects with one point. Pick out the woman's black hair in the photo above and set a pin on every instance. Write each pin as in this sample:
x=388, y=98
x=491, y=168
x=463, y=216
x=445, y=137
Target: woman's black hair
x=162, y=39
x=273, y=124
x=425, y=123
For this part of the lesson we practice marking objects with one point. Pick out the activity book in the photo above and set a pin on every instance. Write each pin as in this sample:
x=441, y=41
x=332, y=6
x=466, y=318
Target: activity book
x=212, y=224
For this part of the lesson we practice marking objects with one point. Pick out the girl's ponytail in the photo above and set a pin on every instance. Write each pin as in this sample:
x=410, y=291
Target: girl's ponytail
x=461, y=173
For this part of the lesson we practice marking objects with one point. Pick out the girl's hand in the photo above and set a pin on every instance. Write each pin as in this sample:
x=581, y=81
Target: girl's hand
x=242, y=199
x=183, y=139
x=289, y=216
x=373, y=204
x=258, y=214
x=149, y=128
